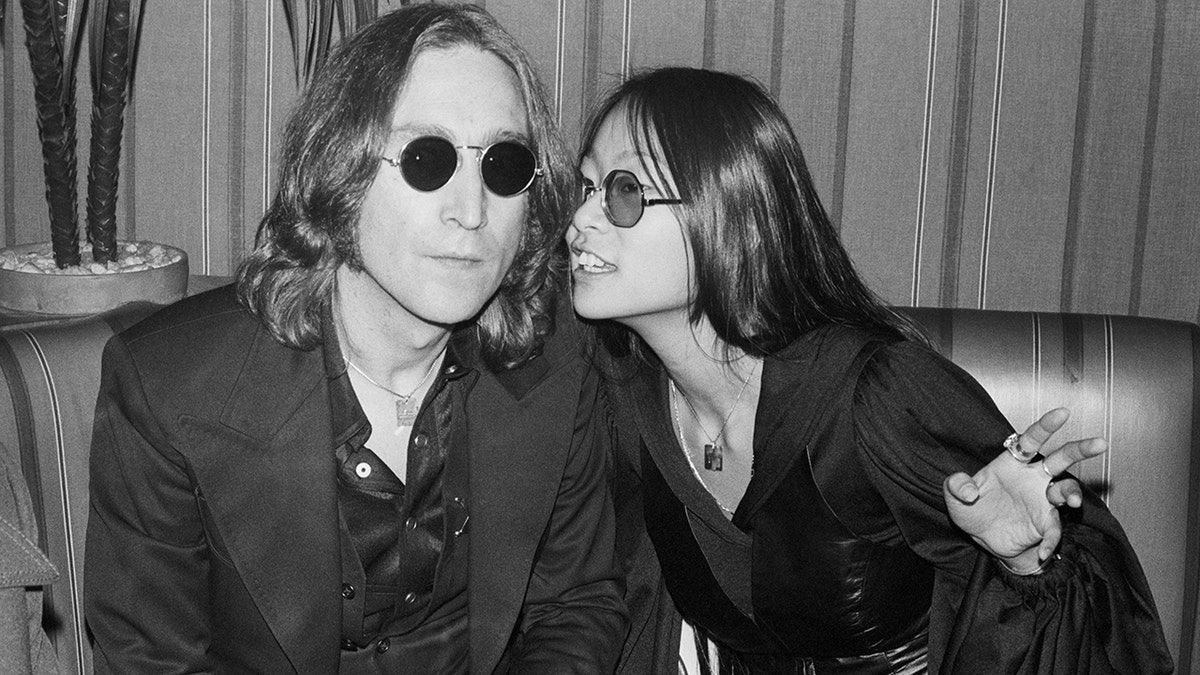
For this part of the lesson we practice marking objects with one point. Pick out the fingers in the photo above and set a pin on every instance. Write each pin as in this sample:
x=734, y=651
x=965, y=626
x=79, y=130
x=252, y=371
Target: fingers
x=1066, y=491
x=960, y=487
x=1050, y=537
x=1038, y=432
x=1073, y=452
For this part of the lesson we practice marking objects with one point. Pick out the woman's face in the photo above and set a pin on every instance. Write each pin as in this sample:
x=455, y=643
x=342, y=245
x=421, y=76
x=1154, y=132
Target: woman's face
x=631, y=275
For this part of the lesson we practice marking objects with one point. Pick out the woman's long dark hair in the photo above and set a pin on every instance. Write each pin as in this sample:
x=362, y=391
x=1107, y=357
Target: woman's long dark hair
x=331, y=151
x=769, y=265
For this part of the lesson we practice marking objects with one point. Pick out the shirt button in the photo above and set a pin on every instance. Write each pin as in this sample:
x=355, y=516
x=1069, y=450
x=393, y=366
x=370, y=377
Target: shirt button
x=411, y=523
x=410, y=598
x=363, y=470
x=347, y=591
x=384, y=645
x=421, y=440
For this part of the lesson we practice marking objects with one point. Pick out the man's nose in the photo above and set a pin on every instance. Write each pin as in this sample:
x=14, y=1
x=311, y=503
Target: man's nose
x=466, y=194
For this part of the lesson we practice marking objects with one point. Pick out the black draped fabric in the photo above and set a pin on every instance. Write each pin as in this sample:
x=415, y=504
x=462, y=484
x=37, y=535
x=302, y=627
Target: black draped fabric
x=869, y=427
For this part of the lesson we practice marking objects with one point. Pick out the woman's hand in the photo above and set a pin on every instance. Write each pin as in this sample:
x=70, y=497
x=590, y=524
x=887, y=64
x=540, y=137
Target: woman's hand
x=1010, y=507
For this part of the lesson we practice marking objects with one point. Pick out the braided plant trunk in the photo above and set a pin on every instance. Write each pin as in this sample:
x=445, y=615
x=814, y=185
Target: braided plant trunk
x=108, y=119
x=55, y=99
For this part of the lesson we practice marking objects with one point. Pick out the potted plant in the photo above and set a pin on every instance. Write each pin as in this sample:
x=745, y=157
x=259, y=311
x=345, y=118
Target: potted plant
x=56, y=278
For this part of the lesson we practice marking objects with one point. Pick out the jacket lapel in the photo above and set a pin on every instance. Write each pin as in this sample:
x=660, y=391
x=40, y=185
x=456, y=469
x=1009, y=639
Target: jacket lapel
x=801, y=385
x=519, y=443
x=268, y=479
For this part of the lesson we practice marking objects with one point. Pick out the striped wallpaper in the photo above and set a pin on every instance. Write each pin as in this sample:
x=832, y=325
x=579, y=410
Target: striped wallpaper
x=976, y=153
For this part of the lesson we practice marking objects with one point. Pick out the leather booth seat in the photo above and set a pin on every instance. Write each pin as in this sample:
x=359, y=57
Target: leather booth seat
x=1135, y=381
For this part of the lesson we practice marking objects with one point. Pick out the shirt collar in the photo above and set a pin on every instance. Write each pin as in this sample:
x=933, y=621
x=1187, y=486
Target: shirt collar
x=462, y=359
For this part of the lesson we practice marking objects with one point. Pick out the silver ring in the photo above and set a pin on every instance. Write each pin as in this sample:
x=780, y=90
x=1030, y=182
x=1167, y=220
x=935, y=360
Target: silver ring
x=1047, y=471
x=1013, y=445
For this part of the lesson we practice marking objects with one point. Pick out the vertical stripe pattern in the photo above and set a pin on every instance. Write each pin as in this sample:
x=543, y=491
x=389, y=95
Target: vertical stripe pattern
x=845, y=77
x=206, y=147
x=998, y=88
x=8, y=91
x=1079, y=149
x=987, y=157
x=964, y=84
x=923, y=173
x=1147, y=169
x=72, y=569
x=268, y=90
x=235, y=155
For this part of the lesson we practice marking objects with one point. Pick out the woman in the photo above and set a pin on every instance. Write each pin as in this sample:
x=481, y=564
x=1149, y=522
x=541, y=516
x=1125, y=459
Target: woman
x=791, y=434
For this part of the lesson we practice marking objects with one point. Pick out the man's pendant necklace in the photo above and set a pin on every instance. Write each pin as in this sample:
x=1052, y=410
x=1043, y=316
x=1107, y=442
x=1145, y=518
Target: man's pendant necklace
x=714, y=452
x=407, y=406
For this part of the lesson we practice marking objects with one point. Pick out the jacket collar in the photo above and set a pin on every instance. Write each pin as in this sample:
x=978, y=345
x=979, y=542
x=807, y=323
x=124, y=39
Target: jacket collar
x=271, y=454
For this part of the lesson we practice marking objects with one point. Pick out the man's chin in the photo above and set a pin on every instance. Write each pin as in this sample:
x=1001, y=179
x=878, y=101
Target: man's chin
x=452, y=312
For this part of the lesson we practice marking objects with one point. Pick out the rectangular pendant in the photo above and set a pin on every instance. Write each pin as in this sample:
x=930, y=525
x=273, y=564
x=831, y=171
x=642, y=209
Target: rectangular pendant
x=712, y=456
x=406, y=412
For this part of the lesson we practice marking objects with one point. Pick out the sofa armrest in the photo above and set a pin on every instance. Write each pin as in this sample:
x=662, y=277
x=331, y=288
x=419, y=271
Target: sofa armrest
x=1134, y=381
x=49, y=378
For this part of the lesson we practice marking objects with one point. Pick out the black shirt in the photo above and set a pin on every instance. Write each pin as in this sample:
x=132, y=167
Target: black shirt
x=404, y=545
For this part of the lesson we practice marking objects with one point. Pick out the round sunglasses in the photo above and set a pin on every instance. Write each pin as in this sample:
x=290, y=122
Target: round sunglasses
x=427, y=163
x=624, y=199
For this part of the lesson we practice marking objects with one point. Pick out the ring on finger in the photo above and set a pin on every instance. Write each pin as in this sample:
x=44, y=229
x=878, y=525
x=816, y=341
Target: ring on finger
x=1013, y=445
x=1047, y=471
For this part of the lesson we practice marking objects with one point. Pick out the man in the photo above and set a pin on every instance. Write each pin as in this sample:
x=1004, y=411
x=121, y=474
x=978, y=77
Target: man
x=381, y=455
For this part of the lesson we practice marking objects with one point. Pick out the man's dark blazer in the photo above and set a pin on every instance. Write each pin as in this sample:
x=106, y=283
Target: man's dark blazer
x=213, y=539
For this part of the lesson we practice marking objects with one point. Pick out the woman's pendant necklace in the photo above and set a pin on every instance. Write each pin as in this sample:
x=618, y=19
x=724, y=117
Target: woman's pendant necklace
x=687, y=451
x=713, y=456
x=714, y=452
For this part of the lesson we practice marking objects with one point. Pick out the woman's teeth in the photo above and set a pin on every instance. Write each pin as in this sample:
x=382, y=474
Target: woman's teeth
x=590, y=262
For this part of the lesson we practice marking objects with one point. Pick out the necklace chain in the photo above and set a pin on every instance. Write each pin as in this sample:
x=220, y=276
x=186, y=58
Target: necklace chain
x=404, y=399
x=714, y=440
x=687, y=451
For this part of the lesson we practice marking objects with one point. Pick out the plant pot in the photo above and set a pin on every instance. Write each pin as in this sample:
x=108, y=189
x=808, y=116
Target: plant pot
x=74, y=294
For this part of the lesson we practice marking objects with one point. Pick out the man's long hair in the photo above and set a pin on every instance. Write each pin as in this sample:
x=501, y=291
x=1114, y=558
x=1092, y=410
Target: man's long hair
x=330, y=157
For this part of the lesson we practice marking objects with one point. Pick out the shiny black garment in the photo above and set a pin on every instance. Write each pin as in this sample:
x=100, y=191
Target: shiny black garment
x=853, y=436
x=405, y=545
x=228, y=532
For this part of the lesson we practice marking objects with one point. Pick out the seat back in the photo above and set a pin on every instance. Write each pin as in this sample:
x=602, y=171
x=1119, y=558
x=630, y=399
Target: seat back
x=50, y=377
x=1134, y=381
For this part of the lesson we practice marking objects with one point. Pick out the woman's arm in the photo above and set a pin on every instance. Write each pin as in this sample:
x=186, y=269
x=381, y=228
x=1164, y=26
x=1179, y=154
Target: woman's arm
x=920, y=418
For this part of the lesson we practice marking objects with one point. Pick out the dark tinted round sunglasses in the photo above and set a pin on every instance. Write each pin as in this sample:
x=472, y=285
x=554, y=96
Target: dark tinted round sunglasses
x=429, y=162
x=624, y=198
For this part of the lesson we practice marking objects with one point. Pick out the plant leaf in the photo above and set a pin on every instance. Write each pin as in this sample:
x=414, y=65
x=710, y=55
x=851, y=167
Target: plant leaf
x=320, y=30
x=69, y=23
x=110, y=72
x=294, y=22
x=96, y=33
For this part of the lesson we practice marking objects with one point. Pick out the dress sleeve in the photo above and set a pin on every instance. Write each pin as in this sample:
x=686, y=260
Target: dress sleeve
x=919, y=418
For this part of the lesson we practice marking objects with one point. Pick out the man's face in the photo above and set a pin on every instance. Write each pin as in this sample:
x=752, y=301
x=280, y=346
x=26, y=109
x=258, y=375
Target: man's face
x=439, y=256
